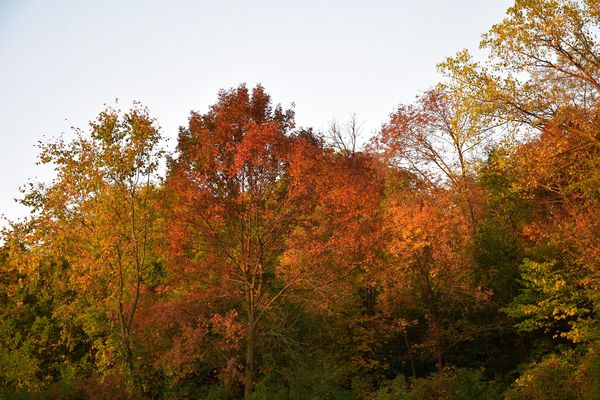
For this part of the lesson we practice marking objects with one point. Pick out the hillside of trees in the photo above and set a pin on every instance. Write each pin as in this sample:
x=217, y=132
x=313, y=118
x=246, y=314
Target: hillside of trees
x=453, y=256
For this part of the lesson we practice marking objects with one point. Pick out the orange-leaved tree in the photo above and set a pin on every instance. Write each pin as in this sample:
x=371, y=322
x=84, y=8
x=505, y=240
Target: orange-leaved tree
x=97, y=217
x=439, y=139
x=234, y=205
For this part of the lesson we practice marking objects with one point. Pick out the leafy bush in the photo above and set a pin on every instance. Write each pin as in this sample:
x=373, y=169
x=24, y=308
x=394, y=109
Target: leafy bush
x=551, y=379
x=451, y=384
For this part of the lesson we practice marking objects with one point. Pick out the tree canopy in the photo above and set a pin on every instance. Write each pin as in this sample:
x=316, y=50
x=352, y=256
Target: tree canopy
x=453, y=256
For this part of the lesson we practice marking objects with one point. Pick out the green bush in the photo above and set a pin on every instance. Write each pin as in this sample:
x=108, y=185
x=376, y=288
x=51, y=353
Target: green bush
x=451, y=384
x=551, y=379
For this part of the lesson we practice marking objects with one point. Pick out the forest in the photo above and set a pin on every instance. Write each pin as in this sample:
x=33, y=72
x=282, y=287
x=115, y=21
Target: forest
x=454, y=255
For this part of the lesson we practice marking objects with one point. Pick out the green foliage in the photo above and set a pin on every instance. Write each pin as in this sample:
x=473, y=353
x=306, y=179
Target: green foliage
x=550, y=379
x=559, y=376
x=397, y=389
x=550, y=302
x=312, y=376
x=450, y=384
x=18, y=366
x=588, y=374
x=271, y=387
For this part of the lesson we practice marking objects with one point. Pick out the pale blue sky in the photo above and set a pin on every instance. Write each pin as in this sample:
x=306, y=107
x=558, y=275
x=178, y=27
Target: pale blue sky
x=61, y=61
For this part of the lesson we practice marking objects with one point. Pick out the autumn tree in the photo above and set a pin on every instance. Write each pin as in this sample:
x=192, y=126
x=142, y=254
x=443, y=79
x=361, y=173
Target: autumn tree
x=236, y=202
x=543, y=56
x=559, y=173
x=339, y=241
x=431, y=262
x=542, y=77
x=97, y=216
x=439, y=139
x=432, y=213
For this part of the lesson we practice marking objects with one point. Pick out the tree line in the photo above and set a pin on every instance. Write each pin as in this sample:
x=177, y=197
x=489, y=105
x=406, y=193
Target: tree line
x=453, y=256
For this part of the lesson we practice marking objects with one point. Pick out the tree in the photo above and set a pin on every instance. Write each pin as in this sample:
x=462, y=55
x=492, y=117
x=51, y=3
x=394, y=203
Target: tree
x=236, y=202
x=439, y=140
x=430, y=266
x=543, y=76
x=552, y=40
x=97, y=216
x=559, y=172
x=339, y=242
x=542, y=57
x=344, y=138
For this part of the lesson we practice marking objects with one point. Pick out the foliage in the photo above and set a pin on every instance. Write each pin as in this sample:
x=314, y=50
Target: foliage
x=456, y=256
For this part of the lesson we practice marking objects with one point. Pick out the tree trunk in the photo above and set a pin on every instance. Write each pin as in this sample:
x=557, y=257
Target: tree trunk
x=434, y=322
x=250, y=344
x=409, y=353
x=437, y=333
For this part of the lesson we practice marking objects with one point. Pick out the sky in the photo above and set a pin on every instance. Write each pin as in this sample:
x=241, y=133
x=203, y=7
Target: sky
x=62, y=61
